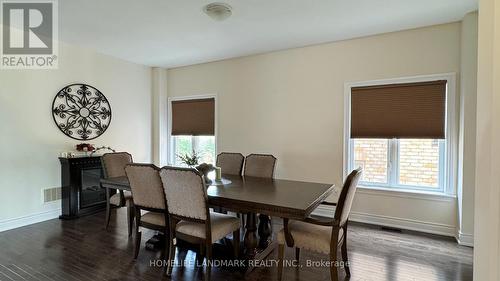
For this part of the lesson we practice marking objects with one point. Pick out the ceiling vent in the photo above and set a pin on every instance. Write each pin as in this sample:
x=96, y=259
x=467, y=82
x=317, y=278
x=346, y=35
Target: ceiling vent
x=218, y=11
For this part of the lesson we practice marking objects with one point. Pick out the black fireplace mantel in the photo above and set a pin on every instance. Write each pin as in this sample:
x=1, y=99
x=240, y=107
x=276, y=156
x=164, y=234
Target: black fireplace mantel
x=82, y=193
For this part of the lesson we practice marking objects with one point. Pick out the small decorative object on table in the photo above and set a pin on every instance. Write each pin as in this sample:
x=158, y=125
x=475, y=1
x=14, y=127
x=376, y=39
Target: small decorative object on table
x=190, y=160
x=205, y=168
x=218, y=173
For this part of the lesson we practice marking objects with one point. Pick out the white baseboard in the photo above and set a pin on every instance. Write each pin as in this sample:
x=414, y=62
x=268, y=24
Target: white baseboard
x=465, y=239
x=402, y=223
x=30, y=219
x=427, y=227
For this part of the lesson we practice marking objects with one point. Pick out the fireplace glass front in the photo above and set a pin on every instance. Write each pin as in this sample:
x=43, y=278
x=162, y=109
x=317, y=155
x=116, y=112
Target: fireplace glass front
x=91, y=192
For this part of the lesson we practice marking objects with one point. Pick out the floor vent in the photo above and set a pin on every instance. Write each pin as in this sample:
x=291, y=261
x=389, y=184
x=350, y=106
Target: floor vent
x=391, y=229
x=51, y=194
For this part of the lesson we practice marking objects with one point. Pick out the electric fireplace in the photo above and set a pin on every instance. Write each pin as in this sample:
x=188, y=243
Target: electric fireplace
x=82, y=193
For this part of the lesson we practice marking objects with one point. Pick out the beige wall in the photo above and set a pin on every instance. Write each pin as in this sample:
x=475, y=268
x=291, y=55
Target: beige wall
x=291, y=103
x=487, y=193
x=30, y=142
x=467, y=138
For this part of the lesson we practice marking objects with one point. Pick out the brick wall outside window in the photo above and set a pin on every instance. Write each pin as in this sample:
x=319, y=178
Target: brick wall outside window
x=418, y=162
x=371, y=154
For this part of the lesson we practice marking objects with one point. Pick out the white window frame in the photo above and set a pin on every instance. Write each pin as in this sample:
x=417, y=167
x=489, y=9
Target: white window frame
x=171, y=144
x=448, y=161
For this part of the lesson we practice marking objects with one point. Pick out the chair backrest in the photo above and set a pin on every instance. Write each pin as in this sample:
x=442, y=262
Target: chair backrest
x=230, y=163
x=185, y=192
x=347, y=196
x=114, y=164
x=260, y=165
x=146, y=186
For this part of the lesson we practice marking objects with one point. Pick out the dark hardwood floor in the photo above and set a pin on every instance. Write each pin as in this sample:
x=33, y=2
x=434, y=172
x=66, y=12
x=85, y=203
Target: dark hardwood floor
x=82, y=250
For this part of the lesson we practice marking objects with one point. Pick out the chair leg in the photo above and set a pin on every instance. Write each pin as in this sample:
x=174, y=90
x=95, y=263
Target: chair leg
x=171, y=249
x=108, y=214
x=165, y=250
x=345, y=258
x=138, y=235
x=202, y=250
x=200, y=256
x=333, y=263
x=271, y=225
x=281, y=254
x=343, y=249
x=297, y=253
x=208, y=267
x=130, y=218
x=236, y=243
x=239, y=215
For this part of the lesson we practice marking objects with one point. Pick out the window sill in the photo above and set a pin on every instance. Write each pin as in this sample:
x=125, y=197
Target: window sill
x=398, y=192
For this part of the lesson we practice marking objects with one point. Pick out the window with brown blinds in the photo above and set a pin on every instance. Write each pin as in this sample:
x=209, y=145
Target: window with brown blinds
x=194, y=117
x=409, y=110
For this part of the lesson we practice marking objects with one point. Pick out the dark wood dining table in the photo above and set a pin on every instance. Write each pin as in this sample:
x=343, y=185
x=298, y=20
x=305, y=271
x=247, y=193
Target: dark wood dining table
x=256, y=198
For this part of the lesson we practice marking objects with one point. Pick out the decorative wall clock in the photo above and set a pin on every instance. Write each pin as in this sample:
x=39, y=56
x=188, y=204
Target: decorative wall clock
x=81, y=112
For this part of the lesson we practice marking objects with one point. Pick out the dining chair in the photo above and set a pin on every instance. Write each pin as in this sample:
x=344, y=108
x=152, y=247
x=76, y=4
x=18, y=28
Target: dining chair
x=148, y=192
x=260, y=165
x=230, y=163
x=113, y=165
x=190, y=216
x=322, y=235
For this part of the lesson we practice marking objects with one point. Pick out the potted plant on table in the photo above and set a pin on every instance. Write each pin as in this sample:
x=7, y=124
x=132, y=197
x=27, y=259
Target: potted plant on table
x=193, y=160
x=190, y=160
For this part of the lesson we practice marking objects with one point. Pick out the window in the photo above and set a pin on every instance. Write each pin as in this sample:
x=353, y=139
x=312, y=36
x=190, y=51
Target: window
x=399, y=132
x=373, y=156
x=192, y=129
x=400, y=163
x=203, y=145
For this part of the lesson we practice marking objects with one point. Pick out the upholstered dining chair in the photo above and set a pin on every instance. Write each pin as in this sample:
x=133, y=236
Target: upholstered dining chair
x=260, y=165
x=230, y=163
x=190, y=216
x=322, y=235
x=148, y=192
x=113, y=165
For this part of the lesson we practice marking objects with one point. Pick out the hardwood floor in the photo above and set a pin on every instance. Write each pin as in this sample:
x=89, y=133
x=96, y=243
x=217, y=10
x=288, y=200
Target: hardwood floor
x=82, y=250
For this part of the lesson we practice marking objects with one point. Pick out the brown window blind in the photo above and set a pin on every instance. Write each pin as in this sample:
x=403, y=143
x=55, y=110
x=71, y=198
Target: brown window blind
x=193, y=117
x=410, y=110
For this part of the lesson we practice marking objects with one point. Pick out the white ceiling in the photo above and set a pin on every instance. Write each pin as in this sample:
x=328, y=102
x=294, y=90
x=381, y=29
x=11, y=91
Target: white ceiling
x=170, y=33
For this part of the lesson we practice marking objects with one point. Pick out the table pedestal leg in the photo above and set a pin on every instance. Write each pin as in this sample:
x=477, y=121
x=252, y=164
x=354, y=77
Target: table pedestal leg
x=257, y=249
x=250, y=240
x=156, y=242
x=264, y=231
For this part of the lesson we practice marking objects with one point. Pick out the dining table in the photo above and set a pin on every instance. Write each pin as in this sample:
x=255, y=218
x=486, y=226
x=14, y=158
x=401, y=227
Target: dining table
x=257, y=199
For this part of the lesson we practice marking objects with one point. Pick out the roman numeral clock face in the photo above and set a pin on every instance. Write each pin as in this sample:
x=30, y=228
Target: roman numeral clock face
x=81, y=112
